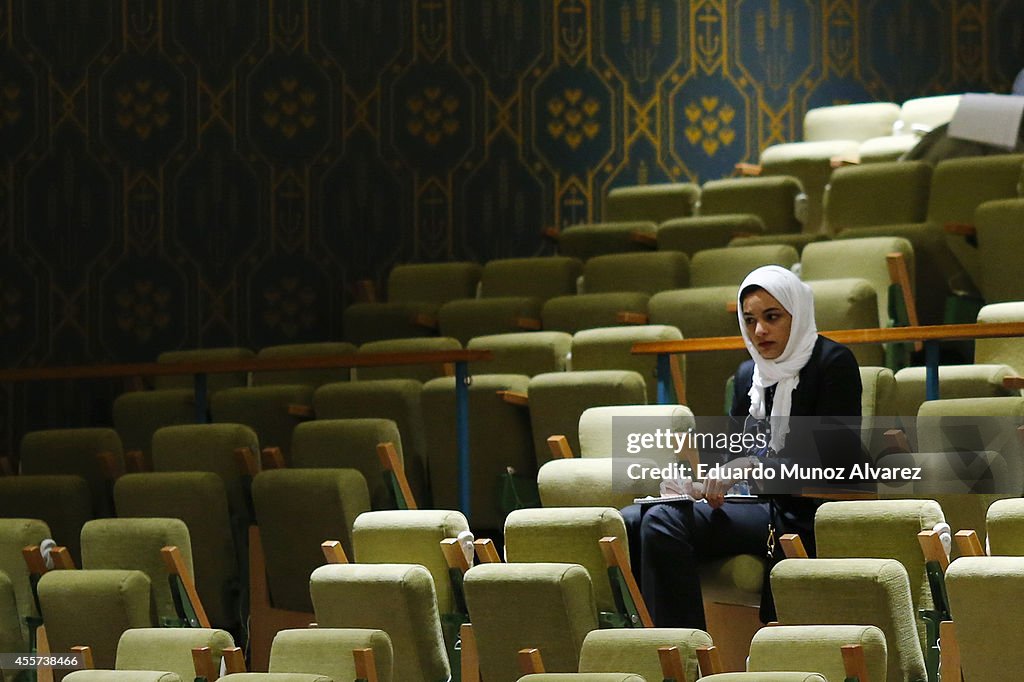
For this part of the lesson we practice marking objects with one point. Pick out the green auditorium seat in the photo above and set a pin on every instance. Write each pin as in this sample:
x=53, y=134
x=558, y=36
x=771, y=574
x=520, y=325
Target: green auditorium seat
x=1004, y=523
x=32, y=497
x=272, y=411
x=492, y=412
x=636, y=650
x=728, y=266
x=310, y=377
x=817, y=648
x=918, y=116
x=415, y=293
x=588, y=240
x=328, y=651
x=215, y=381
x=417, y=372
x=512, y=292
x=12, y=637
x=656, y=203
x=528, y=353
x=1008, y=351
x=610, y=348
x=158, y=652
x=17, y=601
x=997, y=257
x=877, y=194
x=93, y=453
x=699, y=233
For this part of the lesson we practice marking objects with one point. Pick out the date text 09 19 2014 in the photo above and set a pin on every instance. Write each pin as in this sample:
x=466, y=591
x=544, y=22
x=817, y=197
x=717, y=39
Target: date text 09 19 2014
x=70, y=661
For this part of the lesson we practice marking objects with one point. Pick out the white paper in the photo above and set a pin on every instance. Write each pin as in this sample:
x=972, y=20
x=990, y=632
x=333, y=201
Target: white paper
x=989, y=119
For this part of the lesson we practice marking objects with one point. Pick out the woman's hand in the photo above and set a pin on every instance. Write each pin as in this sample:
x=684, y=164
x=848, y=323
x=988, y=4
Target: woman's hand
x=715, y=487
x=681, y=486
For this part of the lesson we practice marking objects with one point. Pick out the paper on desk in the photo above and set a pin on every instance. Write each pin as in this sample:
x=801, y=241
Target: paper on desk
x=989, y=119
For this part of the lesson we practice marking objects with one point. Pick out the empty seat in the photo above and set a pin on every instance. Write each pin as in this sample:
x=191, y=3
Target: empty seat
x=818, y=648
x=214, y=381
x=877, y=194
x=32, y=497
x=415, y=292
x=526, y=353
x=728, y=266
x=588, y=240
x=656, y=203
x=421, y=372
x=998, y=225
x=918, y=117
x=92, y=453
x=168, y=650
x=310, y=377
x=1008, y=351
x=610, y=348
x=328, y=651
x=272, y=411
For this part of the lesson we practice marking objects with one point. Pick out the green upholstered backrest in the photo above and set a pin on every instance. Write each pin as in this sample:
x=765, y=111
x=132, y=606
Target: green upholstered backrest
x=214, y=382
x=596, y=426
x=897, y=192
x=138, y=414
x=466, y=318
x=1009, y=351
x=960, y=185
x=396, y=598
x=539, y=278
x=432, y=282
x=610, y=348
x=135, y=544
x=74, y=451
x=636, y=650
x=93, y=608
x=169, y=648
x=297, y=510
x=817, y=647
x=312, y=377
x=394, y=399
x=849, y=304
x=644, y=272
x=208, y=447
x=728, y=266
x=983, y=594
x=199, y=500
x=34, y=497
x=549, y=606
x=591, y=482
x=998, y=224
x=955, y=382
x=528, y=353
x=853, y=591
x=410, y=536
x=572, y=314
x=877, y=404
x=657, y=202
x=348, y=444
x=557, y=400
x=700, y=233
x=328, y=651
x=857, y=258
x=15, y=534
x=12, y=637
x=589, y=240
x=566, y=535
x=491, y=456
x=850, y=121
x=271, y=411
x=424, y=372
x=1004, y=524
x=366, y=322
x=699, y=313
x=771, y=198
x=125, y=676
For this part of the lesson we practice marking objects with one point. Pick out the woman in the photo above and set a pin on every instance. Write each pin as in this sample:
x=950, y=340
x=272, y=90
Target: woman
x=793, y=372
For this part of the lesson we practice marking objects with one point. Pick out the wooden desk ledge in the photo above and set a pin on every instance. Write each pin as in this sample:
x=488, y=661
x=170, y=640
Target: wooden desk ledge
x=1013, y=383
x=963, y=229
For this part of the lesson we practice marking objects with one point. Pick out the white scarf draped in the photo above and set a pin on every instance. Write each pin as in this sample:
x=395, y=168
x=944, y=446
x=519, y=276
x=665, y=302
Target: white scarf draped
x=784, y=371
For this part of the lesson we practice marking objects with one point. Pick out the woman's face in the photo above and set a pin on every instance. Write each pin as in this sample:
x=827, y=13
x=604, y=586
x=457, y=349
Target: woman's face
x=768, y=323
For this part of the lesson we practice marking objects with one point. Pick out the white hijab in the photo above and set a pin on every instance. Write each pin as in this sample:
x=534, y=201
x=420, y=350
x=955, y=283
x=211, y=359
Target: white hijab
x=798, y=300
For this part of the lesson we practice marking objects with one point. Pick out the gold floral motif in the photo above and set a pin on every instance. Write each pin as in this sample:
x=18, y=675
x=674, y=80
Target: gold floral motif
x=142, y=108
x=709, y=125
x=290, y=306
x=432, y=115
x=573, y=119
x=289, y=108
x=142, y=309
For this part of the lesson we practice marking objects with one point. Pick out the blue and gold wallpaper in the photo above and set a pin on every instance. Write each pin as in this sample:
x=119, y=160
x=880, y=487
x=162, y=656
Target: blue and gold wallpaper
x=184, y=173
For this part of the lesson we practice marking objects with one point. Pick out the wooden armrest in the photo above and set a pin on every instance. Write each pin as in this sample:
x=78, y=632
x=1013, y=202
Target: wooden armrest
x=388, y=456
x=448, y=369
x=514, y=398
x=551, y=234
x=486, y=552
x=840, y=161
x=644, y=239
x=678, y=384
x=744, y=235
x=530, y=324
x=559, y=447
x=853, y=662
x=963, y=229
x=85, y=655
x=530, y=661
x=301, y=411
x=896, y=439
x=366, y=665
x=615, y=557
x=62, y=559
x=426, y=321
x=748, y=169
x=272, y=458
x=899, y=274
x=1013, y=383
x=366, y=291
x=109, y=467
x=626, y=317
x=135, y=462
x=176, y=566
x=931, y=548
x=470, y=664
x=245, y=459
x=709, y=660
x=793, y=546
x=949, y=663
x=33, y=557
x=453, y=554
x=202, y=661
x=968, y=543
x=334, y=553
x=731, y=307
x=671, y=664
x=234, y=660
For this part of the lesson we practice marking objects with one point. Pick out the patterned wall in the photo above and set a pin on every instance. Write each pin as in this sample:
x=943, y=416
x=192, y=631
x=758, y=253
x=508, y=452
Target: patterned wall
x=179, y=173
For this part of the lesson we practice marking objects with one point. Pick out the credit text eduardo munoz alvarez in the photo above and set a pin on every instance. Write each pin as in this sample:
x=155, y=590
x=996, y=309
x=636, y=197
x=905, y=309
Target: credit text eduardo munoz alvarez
x=785, y=471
